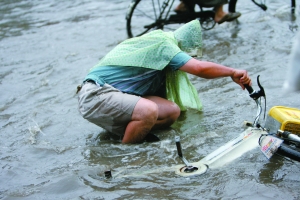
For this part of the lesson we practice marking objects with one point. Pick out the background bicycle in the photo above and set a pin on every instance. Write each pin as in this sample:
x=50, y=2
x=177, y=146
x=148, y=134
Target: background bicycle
x=146, y=15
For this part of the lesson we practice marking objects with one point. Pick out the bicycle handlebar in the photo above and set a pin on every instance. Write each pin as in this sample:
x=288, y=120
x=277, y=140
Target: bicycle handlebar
x=262, y=6
x=232, y=5
x=256, y=94
x=249, y=88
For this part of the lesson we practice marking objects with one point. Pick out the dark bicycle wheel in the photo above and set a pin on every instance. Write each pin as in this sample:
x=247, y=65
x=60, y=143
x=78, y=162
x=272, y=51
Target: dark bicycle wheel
x=289, y=151
x=146, y=15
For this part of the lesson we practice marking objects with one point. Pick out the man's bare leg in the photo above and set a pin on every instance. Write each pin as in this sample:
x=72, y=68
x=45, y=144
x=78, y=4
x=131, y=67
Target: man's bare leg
x=168, y=112
x=181, y=7
x=150, y=112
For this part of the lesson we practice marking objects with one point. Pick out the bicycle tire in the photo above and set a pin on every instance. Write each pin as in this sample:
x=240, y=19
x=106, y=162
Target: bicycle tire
x=145, y=16
x=288, y=151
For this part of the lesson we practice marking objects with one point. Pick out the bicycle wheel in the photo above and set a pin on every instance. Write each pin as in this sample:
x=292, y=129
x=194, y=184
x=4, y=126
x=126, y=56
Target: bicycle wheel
x=290, y=146
x=288, y=151
x=146, y=15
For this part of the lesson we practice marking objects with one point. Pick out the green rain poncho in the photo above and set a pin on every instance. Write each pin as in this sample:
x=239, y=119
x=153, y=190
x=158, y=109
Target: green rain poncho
x=155, y=50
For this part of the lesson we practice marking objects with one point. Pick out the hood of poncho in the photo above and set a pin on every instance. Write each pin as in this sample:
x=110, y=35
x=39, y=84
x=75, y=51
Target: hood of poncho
x=189, y=37
x=155, y=50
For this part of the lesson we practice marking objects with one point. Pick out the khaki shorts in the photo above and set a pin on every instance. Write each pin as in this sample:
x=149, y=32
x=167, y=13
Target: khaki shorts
x=106, y=106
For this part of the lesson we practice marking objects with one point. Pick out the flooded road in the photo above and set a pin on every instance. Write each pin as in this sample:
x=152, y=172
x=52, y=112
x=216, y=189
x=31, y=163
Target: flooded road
x=48, y=151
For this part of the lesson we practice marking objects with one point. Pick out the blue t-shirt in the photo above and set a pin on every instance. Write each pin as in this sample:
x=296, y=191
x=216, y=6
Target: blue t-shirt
x=135, y=80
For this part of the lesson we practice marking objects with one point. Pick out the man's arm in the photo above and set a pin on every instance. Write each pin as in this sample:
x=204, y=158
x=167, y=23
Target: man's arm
x=210, y=70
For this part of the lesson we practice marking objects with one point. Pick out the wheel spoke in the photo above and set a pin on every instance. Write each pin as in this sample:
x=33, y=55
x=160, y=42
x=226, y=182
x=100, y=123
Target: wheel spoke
x=141, y=13
x=147, y=15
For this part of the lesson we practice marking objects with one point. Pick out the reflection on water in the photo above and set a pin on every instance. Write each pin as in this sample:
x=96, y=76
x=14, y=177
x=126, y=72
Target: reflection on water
x=48, y=151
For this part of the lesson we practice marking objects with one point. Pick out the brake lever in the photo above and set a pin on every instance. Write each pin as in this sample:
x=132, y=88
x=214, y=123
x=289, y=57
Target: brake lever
x=256, y=96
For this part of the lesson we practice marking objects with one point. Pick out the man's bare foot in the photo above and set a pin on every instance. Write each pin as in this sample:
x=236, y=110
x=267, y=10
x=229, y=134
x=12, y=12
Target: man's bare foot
x=220, y=14
x=227, y=17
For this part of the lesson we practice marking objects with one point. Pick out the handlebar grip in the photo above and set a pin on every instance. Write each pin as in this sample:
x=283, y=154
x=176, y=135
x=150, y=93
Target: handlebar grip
x=249, y=88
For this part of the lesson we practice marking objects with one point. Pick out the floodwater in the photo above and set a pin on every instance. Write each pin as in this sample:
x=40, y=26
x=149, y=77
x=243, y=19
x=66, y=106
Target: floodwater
x=48, y=151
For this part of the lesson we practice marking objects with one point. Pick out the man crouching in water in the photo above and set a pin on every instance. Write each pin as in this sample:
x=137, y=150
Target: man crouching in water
x=142, y=85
